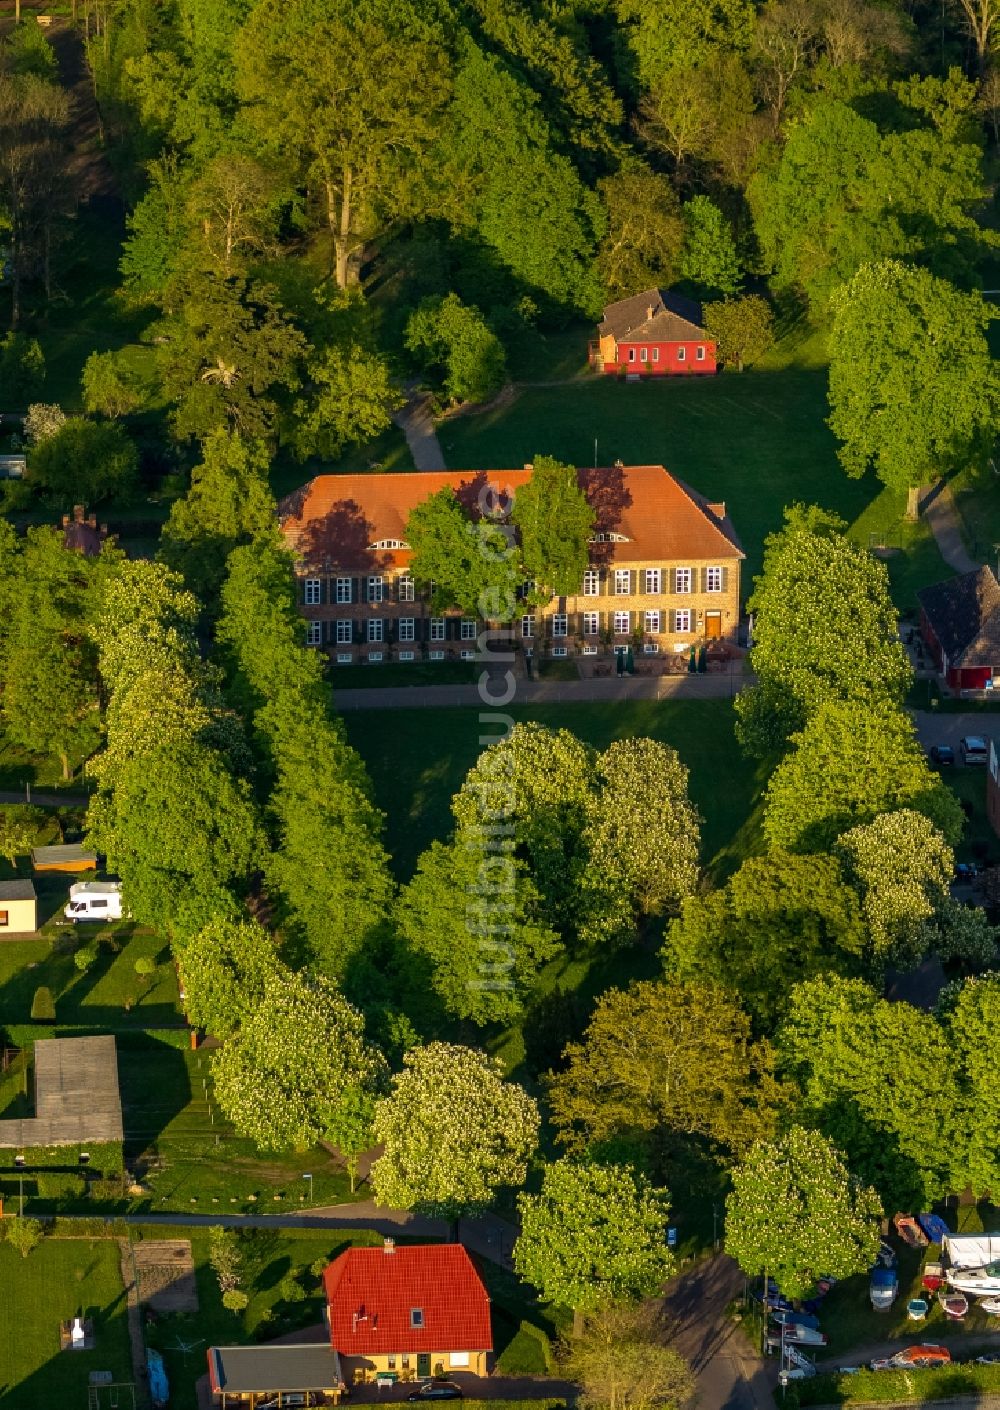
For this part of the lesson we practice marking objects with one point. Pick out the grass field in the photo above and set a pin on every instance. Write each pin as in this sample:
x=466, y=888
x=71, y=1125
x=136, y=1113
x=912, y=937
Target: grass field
x=418, y=759
x=109, y=994
x=60, y=1279
x=758, y=441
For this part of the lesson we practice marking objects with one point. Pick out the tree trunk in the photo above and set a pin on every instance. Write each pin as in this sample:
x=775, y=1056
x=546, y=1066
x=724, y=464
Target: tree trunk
x=913, y=504
x=67, y=775
x=342, y=240
x=577, y=1322
x=17, y=11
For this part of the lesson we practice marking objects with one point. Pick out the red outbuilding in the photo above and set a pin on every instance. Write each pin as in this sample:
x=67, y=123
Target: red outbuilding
x=960, y=622
x=653, y=334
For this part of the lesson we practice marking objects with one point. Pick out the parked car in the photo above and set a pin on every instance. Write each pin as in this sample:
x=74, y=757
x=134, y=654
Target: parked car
x=437, y=1390
x=942, y=754
x=966, y=871
x=973, y=750
x=926, y=1354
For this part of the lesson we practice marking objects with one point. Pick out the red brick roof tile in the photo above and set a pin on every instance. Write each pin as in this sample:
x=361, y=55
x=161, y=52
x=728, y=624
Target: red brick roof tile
x=334, y=521
x=371, y=1295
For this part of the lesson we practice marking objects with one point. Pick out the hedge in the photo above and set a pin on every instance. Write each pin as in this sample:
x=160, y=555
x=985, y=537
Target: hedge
x=105, y=1158
x=526, y=1354
x=895, y=1387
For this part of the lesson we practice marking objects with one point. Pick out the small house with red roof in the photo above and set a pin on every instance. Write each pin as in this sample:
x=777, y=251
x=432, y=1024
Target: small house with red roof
x=960, y=622
x=653, y=334
x=406, y=1313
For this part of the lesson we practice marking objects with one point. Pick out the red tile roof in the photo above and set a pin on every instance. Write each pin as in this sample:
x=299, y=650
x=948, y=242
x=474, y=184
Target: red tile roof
x=334, y=521
x=371, y=1295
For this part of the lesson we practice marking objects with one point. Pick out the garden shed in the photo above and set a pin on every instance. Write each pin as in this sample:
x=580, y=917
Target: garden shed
x=77, y=1100
x=70, y=857
x=18, y=909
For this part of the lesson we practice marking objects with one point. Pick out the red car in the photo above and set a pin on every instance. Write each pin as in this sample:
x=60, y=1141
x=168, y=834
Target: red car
x=924, y=1355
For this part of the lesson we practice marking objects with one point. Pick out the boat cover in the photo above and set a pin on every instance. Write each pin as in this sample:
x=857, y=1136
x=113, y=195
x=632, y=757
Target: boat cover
x=970, y=1250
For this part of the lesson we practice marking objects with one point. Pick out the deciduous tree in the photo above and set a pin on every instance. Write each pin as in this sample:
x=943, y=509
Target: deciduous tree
x=282, y=1076
x=825, y=627
x=471, y=562
x=620, y=1362
x=224, y=969
x=709, y=257
x=851, y=762
x=453, y=337
x=642, y=245
x=923, y=396
x=796, y=1214
x=555, y=523
x=85, y=461
x=594, y=1234
x=454, y=1132
x=743, y=329
x=659, y=1056
x=350, y=399
x=902, y=868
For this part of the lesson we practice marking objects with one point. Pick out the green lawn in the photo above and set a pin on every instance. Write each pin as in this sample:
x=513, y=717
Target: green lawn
x=108, y=995
x=60, y=1279
x=418, y=759
x=758, y=441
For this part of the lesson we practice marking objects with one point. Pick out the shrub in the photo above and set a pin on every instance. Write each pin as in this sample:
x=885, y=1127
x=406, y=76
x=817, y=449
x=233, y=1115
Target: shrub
x=24, y=1234
x=86, y=955
x=291, y=1289
x=144, y=966
x=43, y=420
x=43, y=1008
x=527, y=1353
x=235, y=1299
x=85, y=460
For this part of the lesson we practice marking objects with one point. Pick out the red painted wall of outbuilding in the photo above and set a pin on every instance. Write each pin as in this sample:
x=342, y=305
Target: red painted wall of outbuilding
x=668, y=362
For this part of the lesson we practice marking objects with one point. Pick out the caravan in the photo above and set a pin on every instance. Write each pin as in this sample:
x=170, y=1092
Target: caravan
x=94, y=900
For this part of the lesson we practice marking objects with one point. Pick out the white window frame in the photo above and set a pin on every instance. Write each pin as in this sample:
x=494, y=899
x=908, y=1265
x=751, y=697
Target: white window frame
x=344, y=658
x=314, y=634
x=623, y=623
x=468, y=629
x=653, y=620
x=592, y=582
x=407, y=589
x=345, y=631
x=467, y=655
x=313, y=593
x=560, y=651
x=650, y=648
x=682, y=580
x=528, y=625
x=437, y=629
x=345, y=591
x=713, y=579
x=458, y=1359
x=375, y=629
x=376, y=588
x=435, y=655
x=643, y=354
x=406, y=655
x=590, y=651
x=560, y=624
x=654, y=580
x=374, y=657
x=656, y=354
x=682, y=619
x=700, y=353
x=623, y=582
x=406, y=628
x=631, y=354
x=591, y=623
x=682, y=354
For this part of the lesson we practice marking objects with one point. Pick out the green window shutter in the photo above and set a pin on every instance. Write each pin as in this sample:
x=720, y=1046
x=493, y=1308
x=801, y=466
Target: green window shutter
x=725, y=579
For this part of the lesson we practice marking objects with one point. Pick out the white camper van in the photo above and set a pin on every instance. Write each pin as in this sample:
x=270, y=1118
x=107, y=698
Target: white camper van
x=94, y=900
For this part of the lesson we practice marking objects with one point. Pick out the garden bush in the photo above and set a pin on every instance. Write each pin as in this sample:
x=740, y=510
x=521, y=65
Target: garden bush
x=893, y=1387
x=527, y=1354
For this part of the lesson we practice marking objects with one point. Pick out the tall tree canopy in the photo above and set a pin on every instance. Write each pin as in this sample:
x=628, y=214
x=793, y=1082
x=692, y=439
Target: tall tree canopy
x=555, y=523
x=825, y=627
x=914, y=391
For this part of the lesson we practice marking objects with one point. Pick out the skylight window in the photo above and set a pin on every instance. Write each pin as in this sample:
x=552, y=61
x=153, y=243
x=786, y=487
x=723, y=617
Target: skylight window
x=416, y=1317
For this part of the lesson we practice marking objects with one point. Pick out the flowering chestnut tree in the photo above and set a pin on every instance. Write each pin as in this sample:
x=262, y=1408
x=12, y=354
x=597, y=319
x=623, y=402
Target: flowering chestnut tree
x=282, y=1076
x=594, y=1234
x=902, y=867
x=453, y=1131
x=795, y=1214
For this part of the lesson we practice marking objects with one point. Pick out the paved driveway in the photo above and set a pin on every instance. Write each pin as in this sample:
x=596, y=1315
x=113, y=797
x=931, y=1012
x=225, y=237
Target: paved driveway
x=934, y=728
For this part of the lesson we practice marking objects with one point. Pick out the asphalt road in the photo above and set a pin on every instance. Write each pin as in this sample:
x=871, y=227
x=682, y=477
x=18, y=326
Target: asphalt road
x=934, y=728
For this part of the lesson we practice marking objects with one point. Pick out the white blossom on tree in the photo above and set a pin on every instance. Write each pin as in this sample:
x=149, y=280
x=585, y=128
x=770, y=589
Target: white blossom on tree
x=594, y=1234
x=902, y=867
x=795, y=1214
x=282, y=1076
x=453, y=1131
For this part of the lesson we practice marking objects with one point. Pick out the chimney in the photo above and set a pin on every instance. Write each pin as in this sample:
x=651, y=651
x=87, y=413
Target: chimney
x=388, y=1245
x=650, y=310
x=529, y=466
x=619, y=465
x=103, y=531
x=78, y=513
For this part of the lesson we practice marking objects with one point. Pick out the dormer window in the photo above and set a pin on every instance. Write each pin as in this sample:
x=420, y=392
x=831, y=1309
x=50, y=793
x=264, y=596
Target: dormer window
x=416, y=1318
x=610, y=538
x=384, y=544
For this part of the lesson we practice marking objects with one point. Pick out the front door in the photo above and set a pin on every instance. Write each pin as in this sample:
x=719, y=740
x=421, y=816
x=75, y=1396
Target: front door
x=713, y=624
x=423, y=1363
